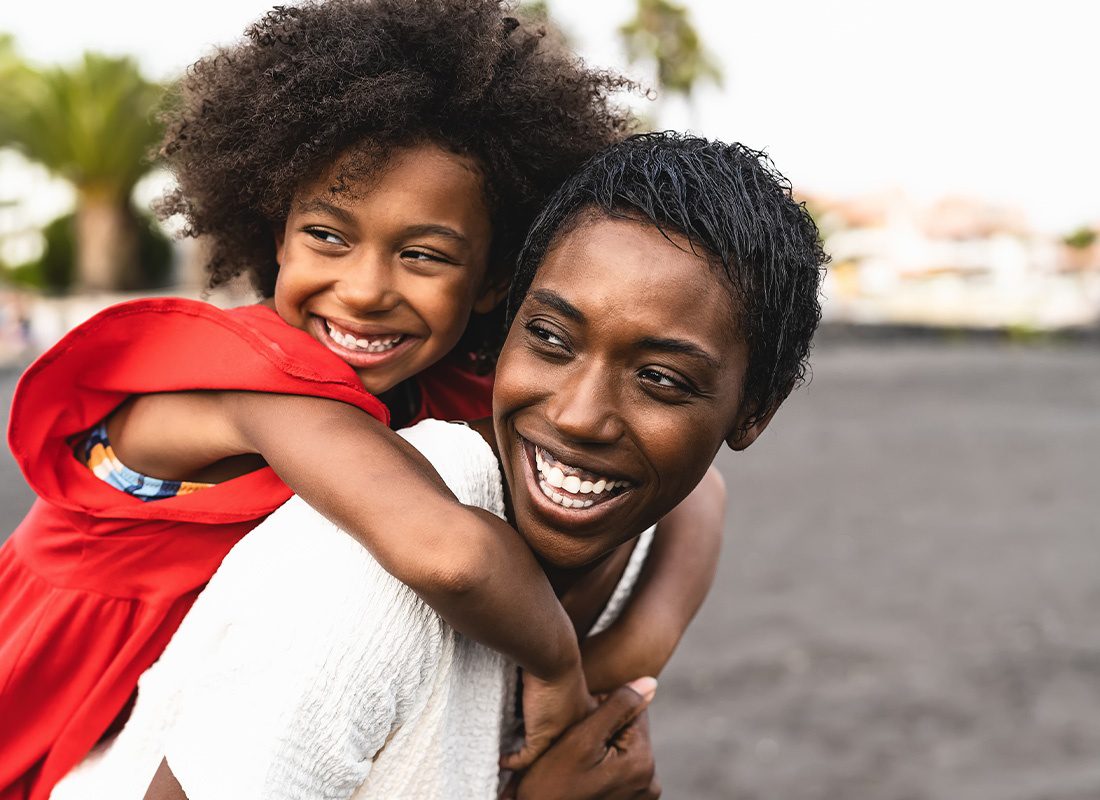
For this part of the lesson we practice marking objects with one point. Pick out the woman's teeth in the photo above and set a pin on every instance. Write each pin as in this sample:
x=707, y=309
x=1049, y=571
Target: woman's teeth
x=555, y=476
x=376, y=344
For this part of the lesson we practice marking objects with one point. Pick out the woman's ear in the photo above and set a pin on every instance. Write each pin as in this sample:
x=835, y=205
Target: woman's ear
x=492, y=294
x=742, y=438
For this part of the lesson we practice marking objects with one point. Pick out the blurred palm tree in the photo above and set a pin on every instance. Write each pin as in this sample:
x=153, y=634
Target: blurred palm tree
x=9, y=59
x=661, y=32
x=93, y=125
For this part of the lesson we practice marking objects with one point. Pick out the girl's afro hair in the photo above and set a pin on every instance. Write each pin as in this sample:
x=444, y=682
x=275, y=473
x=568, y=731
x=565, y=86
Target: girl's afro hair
x=312, y=83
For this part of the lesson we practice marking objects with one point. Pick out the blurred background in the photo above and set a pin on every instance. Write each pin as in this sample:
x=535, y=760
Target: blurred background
x=905, y=608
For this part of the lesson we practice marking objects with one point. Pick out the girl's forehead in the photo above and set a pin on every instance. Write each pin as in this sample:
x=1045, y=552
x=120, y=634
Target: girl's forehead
x=368, y=167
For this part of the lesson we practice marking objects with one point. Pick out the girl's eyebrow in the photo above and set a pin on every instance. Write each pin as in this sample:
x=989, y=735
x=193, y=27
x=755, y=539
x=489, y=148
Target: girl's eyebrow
x=315, y=205
x=435, y=230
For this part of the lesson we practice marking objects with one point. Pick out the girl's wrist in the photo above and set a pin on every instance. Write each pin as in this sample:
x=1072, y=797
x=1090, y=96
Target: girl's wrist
x=566, y=665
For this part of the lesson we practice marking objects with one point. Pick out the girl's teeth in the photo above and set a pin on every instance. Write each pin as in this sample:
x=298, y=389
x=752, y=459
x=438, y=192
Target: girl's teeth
x=352, y=343
x=572, y=484
x=599, y=486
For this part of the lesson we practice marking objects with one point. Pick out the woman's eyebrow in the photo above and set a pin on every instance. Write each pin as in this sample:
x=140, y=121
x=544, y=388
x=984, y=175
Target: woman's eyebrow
x=558, y=303
x=679, y=347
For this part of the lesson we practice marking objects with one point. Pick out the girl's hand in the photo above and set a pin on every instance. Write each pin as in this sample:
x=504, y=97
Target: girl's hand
x=608, y=755
x=549, y=707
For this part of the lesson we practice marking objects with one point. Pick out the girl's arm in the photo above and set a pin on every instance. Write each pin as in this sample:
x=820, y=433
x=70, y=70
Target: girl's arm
x=675, y=579
x=467, y=564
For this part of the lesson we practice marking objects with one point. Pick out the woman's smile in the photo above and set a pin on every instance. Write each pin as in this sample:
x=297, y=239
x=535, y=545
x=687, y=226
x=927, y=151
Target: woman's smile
x=568, y=493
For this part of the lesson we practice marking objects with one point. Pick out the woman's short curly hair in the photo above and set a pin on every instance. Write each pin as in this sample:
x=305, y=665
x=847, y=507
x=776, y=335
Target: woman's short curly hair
x=254, y=122
x=735, y=207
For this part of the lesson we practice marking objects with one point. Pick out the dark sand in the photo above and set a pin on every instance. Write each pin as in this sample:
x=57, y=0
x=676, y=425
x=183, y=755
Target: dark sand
x=908, y=605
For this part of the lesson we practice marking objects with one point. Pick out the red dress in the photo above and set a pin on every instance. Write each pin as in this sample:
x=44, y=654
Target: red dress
x=94, y=582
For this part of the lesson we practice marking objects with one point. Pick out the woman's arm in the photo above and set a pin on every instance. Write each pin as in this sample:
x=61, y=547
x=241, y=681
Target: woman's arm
x=673, y=584
x=467, y=564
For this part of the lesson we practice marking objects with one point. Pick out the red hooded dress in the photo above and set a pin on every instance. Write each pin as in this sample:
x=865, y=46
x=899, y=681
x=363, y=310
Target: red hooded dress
x=94, y=582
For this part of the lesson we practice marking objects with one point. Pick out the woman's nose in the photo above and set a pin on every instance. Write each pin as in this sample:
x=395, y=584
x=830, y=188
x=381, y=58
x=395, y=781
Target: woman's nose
x=367, y=286
x=585, y=405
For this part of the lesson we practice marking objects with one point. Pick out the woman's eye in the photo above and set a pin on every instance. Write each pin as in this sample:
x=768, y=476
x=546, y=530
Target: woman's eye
x=545, y=335
x=664, y=380
x=325, y=236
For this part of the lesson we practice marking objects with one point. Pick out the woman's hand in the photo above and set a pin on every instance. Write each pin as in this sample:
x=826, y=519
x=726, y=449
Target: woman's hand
x=607, y=755
x=549, y=707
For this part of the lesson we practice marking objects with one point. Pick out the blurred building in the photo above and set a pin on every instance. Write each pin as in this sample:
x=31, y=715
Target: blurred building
x=959, y=262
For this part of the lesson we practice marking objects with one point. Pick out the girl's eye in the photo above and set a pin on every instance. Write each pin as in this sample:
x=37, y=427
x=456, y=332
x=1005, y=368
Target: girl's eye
x=664, y=380
x=325, y=236
x=545, y=335
x=423, y=257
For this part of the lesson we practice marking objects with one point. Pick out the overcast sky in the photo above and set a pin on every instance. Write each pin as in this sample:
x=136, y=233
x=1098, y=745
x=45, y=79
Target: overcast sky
x=994, y=99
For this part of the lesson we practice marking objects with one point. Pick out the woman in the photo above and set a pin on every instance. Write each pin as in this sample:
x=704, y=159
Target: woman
x=664, y=304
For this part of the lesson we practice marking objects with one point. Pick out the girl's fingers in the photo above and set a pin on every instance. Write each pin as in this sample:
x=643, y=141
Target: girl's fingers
x=622, y=707
x=600, y=727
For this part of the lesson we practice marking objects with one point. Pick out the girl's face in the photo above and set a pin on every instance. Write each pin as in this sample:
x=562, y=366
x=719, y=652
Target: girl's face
x=620, y=379
x=385, y=273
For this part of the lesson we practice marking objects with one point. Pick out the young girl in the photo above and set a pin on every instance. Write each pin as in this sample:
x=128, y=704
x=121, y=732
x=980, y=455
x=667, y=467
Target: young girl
x=372, y=166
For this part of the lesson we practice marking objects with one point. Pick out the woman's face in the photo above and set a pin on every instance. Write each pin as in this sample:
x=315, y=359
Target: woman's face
x=619, y=381
x=385, y=273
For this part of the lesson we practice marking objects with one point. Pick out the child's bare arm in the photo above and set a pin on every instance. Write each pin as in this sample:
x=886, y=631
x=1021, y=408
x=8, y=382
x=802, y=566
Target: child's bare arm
x=676, y=578
x=470, y=566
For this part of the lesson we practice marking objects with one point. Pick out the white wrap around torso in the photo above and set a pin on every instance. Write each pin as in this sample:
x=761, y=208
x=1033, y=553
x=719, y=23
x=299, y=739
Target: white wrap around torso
x=304, y=670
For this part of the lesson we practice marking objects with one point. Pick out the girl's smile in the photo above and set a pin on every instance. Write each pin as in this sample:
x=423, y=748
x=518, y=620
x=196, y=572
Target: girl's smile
x=385, y=270
x=361, y=346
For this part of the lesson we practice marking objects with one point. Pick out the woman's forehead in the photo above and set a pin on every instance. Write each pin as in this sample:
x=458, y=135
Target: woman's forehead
x=632, y=270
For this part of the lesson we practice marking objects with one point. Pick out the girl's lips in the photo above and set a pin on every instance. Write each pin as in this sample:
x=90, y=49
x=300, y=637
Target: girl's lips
x=565, y=518
x=358, y=358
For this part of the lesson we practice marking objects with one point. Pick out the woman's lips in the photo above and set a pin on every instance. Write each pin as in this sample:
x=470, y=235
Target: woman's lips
x=362, y=351
x=573, y=487
x=581, y=499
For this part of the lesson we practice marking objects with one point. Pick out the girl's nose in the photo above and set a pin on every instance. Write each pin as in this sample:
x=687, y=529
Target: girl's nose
x=584, y=406
x=367, y=287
